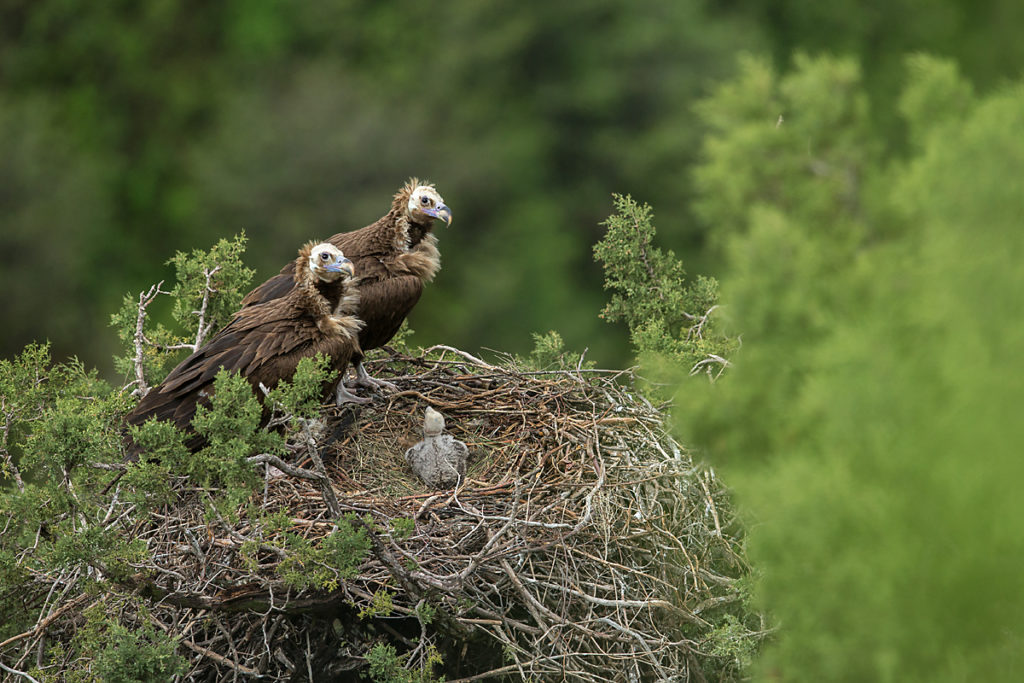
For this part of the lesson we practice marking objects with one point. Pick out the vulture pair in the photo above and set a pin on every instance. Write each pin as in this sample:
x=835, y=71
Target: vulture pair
x=341, y=297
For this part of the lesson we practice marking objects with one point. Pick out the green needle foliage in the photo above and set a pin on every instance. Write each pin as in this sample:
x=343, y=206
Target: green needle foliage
x=200, y=274
x=326, y=564
x=125, y=655
x=671, y=321
x=387, y=666
x=300, y=397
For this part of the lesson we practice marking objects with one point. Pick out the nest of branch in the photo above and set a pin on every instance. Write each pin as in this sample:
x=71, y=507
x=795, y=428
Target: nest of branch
x=583, y=543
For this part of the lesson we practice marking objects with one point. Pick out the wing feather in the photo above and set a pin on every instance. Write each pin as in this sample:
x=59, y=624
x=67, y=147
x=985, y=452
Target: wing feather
x=264, y=343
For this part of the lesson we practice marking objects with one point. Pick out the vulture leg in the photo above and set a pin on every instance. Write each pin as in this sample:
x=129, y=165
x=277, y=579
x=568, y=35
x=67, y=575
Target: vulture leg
x=364, y=380
x=343, y=396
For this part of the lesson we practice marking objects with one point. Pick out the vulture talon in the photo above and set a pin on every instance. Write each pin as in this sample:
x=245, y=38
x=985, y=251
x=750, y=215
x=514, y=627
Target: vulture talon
x=364, y=380
x=343, y=396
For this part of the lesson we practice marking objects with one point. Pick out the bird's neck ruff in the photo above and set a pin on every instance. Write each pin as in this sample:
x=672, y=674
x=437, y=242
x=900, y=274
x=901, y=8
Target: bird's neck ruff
x=398, y=234
x=343, y=320
x=332, y=304
x=405, y=233
x=310, y=298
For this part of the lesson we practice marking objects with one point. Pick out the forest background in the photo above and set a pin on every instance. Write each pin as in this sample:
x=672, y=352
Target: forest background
x=860, y=203
x=132, y=131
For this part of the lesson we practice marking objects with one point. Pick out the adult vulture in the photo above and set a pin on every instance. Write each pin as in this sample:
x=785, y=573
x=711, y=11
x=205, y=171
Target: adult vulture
x=265, y=342
x=394, y=257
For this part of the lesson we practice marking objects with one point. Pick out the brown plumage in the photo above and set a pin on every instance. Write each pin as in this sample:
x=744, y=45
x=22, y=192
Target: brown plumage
x=393, y=258
x=265, y=342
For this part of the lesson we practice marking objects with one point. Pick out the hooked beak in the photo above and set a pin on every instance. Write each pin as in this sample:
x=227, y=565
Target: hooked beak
x=342, y=265
x=441, y=211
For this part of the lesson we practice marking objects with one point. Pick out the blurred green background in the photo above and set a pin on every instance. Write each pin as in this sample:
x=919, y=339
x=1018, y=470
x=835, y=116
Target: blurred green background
x=131, y=130
x=868, y=243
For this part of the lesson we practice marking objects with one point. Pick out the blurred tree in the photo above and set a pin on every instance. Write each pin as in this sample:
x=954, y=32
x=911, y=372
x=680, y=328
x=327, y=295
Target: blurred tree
x=981, y=36
x=120, y=89
x=195, y=121
x=51, y=215
x=869, y=424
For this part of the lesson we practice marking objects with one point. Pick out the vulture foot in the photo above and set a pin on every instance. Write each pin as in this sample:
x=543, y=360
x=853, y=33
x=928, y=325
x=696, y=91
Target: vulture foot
x=342, y=396
x=364, y=380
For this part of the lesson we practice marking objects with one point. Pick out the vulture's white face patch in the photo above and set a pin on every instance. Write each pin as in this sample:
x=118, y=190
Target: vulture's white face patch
x=426, y=204
x=328, y=263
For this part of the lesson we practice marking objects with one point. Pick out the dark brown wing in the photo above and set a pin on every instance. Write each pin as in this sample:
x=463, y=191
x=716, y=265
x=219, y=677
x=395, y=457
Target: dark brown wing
x=384, y=304
x=274, y=288
x=262, y=343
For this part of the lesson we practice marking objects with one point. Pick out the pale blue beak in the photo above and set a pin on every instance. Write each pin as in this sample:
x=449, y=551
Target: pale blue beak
x=342, y=265
x=440, y=211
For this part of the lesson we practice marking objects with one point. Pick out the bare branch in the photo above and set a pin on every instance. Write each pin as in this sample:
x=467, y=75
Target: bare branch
x=291, y=470
x=17, y=673
x=44, y=623
x=706, y=364
x=697, y=331
x=471, y=358
x=204, y=327
x=145, y=299
x=168, y=347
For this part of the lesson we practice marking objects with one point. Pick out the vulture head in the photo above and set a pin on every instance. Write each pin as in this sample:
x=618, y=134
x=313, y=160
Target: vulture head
x=327, y=263
x=423, y=204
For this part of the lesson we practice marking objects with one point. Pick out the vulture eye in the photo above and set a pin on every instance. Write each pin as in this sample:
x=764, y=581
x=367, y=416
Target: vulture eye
x=324, y=256
x=424, y=201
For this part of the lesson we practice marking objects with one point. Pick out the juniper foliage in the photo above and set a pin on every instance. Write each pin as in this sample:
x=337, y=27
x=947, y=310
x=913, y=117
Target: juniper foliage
x=672, y=321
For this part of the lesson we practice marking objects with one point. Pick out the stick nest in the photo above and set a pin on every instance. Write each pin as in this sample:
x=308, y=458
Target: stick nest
x=583, y=543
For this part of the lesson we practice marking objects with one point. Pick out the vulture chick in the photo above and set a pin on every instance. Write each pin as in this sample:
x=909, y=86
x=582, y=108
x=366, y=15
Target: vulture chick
x=265, y=342
x=440, y=459
x=394, y=257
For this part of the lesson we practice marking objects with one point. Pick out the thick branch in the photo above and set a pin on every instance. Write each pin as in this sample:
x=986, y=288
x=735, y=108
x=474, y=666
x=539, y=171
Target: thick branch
x=17, y=673
x=292, y=470
x=41, y=626
x=326, y=487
